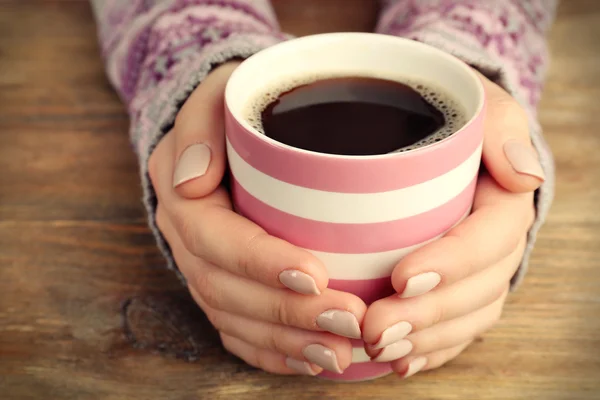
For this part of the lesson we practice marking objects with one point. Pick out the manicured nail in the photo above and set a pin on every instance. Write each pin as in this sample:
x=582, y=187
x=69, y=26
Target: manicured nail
x=340, y=322
x=323, y=357
x=394, y=351
x=415, y=366
x=420, y=284
x=300, y=366
x=299, y=282
x=193, y=163
x=524, y=159
x=393, y=334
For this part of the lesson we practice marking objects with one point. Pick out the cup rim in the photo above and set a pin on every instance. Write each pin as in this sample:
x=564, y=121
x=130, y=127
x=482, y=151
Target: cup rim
x=229, y=88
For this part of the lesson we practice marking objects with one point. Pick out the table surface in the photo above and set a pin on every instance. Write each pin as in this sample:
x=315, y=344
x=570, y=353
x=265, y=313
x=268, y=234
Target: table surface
x=88, y=312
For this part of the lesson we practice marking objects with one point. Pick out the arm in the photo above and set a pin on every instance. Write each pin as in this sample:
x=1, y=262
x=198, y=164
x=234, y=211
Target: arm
x=156, y=53
x=502, y=39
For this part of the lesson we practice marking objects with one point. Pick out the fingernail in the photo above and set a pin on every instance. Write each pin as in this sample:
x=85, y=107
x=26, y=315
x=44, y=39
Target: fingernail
x=524, y=159
x=415, y=366
x=340, y=322
x=322, y=356
x=192, y=163
x=299, y=282
x=393, y=334
x=420, y=284
x=394, y=351
x=300, y=366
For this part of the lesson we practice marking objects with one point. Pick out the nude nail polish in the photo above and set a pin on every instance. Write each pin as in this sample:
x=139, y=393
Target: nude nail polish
x=340, y=322
x=322, y=356
x=299, y=282
x=302, y=367
x=524, y=159
x=421, y=284
x=394, y=351
x=415, y=366
x=193, y=163
x=393, y=334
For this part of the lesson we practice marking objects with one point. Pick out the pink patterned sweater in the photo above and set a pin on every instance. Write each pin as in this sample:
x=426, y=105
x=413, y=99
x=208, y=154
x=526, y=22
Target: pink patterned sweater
x=158, y=51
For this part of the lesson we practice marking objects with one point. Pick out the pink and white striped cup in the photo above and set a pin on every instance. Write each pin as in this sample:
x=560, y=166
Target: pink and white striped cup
x=358, y=214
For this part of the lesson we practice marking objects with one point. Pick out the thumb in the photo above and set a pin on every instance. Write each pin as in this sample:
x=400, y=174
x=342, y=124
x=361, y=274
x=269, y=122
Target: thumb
x=199, y=132
x=508, y=153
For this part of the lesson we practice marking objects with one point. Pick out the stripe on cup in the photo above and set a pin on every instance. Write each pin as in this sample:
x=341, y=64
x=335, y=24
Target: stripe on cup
x=353, y=238
x=368, y=290
x=360, y=372
x=340, y=208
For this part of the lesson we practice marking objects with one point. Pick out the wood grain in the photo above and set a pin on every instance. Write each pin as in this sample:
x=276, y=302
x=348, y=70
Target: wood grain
x=88, y=312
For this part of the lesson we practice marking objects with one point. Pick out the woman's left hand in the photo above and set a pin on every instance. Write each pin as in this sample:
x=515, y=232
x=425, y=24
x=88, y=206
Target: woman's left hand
x=454, y=289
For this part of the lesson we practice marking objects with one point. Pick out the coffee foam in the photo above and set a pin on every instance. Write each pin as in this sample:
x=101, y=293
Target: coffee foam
x=454, y=114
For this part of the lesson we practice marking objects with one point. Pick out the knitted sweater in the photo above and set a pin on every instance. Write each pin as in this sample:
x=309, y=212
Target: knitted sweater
x=158, y=51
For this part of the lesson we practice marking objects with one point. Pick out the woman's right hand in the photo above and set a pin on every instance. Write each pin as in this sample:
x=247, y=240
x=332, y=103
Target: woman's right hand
x=239, y=275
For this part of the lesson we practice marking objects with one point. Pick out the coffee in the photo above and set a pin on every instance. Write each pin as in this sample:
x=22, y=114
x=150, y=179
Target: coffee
x=355, y=115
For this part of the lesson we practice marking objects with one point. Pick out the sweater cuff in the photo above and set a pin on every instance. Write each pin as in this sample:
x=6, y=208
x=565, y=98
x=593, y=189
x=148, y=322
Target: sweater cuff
x=156, y=117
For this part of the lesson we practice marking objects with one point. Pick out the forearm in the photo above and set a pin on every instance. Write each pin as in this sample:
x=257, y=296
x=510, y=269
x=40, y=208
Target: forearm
x=505, y=40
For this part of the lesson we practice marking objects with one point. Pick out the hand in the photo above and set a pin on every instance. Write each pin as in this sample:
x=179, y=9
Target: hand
x=454, y=289
x=239, y=275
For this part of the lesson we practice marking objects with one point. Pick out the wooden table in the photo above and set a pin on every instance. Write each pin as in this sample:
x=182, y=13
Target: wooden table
x=87, y=311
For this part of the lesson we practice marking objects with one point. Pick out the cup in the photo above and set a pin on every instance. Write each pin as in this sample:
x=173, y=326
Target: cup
x=358, y=214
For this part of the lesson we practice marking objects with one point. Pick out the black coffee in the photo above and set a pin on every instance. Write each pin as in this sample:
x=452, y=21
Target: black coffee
x=357, y=116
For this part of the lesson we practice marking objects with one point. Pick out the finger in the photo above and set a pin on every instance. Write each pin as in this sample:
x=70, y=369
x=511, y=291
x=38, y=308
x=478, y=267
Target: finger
x=507, y=149
x=199, y=130
x=445, y=334
x=247, y=251
x=332, y=311
x=324, y=350
x=266, y=360
x=499, y=220
x=391, y=319
x=409, y=366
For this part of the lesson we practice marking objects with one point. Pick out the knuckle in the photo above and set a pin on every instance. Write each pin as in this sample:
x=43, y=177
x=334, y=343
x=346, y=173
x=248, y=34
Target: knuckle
x=458, y=241
x=285, y=314
x=438, y=315
x=187, y=232
x=247, y=257
x=206, y=289
x=437, y=311
x=273, y=336
x=280, y=311
x=510, y=111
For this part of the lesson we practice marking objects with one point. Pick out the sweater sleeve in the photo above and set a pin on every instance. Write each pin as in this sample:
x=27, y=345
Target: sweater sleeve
x=158, y=51
x=505, y=40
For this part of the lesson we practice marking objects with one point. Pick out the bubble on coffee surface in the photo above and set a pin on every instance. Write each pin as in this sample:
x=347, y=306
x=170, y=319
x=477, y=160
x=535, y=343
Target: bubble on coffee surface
x=454, y=115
